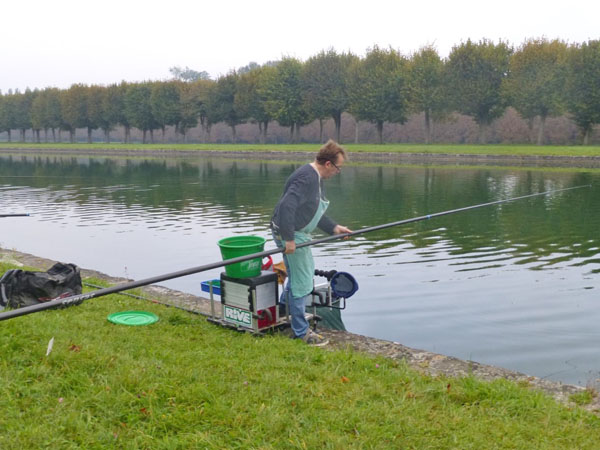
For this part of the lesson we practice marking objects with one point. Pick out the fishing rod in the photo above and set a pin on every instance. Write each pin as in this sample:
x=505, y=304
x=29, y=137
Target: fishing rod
x=14, y=215
x=77, y=299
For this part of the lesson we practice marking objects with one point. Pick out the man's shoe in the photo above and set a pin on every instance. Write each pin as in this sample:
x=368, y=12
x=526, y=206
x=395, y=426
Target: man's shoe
x=314, y=339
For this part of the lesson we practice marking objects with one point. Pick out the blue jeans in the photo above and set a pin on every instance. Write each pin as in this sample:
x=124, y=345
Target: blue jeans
x=296, y=305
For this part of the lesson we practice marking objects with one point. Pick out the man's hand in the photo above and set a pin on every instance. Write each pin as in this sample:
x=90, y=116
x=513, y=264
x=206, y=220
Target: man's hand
x=290, y=247
x=340, y=229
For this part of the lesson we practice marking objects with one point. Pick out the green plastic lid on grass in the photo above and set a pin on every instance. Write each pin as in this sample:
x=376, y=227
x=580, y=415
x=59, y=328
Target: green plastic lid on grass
x=133, y=318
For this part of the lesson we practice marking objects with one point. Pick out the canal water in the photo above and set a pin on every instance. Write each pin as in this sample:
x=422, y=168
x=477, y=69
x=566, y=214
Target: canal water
x=513, y=285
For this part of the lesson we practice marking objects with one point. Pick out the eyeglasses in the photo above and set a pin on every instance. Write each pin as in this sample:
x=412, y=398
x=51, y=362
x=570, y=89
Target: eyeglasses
x=334, y=165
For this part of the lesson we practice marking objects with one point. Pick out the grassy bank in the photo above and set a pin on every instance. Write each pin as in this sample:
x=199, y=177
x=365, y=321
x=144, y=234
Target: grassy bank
x=507, y=150
x=184, y=383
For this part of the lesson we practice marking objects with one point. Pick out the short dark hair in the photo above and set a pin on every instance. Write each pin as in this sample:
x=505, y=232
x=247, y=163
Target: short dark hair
x=329, y=152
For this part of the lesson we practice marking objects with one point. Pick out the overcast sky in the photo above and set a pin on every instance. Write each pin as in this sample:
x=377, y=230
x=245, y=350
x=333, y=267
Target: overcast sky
x=60, y=42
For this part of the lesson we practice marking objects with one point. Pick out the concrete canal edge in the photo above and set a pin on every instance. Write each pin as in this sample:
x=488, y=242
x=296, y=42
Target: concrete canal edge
x=558, y=161
x=425, y=362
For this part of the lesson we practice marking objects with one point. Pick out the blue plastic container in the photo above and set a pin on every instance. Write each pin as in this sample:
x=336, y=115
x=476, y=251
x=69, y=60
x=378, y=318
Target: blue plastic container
x=216, y=286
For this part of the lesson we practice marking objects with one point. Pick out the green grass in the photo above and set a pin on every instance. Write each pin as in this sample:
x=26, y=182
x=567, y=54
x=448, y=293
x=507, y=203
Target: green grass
x=515, y=150
x=184, y=383
x=584, y=398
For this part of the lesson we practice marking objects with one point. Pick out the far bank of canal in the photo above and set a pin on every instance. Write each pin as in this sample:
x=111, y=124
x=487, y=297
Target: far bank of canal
x=461, y=155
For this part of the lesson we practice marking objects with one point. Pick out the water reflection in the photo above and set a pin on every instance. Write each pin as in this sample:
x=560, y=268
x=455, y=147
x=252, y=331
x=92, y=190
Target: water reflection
x=513, y=285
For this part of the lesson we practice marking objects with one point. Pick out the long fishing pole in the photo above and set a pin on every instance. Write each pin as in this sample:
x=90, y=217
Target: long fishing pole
x=14, y=215
x=76, y=299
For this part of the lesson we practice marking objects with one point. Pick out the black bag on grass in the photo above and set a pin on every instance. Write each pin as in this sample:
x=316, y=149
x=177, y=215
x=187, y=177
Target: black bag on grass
x=19, y=288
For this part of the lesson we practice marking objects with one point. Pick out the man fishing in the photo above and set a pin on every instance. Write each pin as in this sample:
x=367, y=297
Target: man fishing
x=300, y=210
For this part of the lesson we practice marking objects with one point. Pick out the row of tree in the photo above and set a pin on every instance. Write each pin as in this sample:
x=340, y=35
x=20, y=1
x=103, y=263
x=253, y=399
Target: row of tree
x=540, y=79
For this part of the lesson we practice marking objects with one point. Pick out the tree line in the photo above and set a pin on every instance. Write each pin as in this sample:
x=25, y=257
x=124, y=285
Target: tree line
x=540, y=79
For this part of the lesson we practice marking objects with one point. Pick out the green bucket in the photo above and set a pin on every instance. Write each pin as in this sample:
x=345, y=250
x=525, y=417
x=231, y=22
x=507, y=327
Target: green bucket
x=233, y=247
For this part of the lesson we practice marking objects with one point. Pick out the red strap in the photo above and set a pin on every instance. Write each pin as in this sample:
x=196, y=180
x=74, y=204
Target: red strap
x=268, y=264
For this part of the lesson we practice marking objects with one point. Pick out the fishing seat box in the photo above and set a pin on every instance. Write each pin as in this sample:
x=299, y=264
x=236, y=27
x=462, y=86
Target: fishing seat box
x=250, y=303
